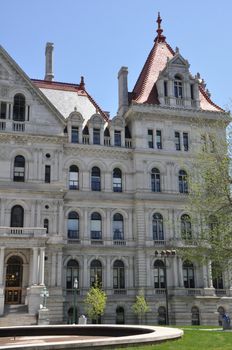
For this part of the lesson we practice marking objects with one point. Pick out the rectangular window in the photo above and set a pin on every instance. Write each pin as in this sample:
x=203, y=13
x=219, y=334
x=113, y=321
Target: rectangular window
x=192, y=91
x=158, y=139
x=185, y=141
x=28, y=113
x=150, y=138
x=75, y=134
x=165, y=88
x=117, y=138
x=3, y=110
x=96, y=136
x=177, y=140
x=47, y=173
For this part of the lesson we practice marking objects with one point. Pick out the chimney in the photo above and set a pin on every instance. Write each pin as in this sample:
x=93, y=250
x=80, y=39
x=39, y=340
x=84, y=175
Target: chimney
x=122, y=91
x=49, y=62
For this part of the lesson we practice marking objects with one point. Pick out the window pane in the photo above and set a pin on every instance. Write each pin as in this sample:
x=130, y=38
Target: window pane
x=96, y=136
x=150, y=138
x=117, y=138
x=158, y=139
x=75, y=134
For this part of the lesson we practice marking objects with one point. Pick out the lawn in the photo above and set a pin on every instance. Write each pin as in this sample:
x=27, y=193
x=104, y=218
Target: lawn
x=195, y=338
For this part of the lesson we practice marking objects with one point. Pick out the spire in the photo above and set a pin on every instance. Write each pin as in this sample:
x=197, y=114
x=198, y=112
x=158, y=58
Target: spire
x=160, y=37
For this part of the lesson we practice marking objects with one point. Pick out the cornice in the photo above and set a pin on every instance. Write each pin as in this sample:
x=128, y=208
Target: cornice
x=175, y=112
x=33, y=138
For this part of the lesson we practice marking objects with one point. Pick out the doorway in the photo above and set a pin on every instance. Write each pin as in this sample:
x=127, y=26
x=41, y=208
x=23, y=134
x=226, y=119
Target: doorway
x=13, y=286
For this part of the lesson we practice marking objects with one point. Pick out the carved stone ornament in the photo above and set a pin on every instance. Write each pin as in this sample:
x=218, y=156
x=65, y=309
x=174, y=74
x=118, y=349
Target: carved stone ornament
x=4, y=91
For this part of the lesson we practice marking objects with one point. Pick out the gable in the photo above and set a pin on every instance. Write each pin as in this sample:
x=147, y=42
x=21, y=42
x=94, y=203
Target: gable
x=40, y=116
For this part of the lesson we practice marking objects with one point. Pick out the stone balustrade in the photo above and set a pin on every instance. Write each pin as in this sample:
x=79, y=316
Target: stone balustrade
x=23, y=232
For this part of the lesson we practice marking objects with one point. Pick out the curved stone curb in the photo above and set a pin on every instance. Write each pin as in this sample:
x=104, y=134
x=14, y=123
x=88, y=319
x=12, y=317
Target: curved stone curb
x=149, y=335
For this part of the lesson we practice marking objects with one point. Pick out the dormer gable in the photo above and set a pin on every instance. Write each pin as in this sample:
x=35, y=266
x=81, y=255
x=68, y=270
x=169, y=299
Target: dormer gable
x=176, y=86
x=165, y=80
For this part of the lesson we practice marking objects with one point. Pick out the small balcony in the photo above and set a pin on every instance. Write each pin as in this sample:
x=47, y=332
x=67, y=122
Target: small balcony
x=24, y=232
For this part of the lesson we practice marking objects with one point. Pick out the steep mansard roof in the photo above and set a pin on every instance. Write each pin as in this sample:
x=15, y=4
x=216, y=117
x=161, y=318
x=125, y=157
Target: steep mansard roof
x=145, y=90
x=66, y=97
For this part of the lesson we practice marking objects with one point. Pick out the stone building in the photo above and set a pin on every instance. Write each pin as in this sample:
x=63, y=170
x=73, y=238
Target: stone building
x=83, y=195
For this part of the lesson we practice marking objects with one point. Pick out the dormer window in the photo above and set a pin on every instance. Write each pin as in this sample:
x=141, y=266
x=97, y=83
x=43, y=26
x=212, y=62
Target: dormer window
x=178, y=87
x=165, y=88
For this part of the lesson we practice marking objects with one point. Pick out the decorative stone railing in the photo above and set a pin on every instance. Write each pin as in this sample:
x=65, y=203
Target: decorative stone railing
x=23, y=232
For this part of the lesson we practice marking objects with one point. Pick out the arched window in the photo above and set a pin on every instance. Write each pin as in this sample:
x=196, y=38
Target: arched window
x=159, y=274
x=157, y=227
x=186, y=227
x=118, y=275
x=162, y=319
x=117, y=180
x=19, y=169
x=19, y=108
x=17, y=216
x=120, y=315
x=178, y=87
x=95, y=273
x=72, y=273
x=188, y=275
x=96, y=179
x=183, y=181
x=73, y=177
x=155, y=180
x=96, y=226
x=195, y=316
x=46, y=225
x=217, y=276
x=118, y=229
x=73, y=225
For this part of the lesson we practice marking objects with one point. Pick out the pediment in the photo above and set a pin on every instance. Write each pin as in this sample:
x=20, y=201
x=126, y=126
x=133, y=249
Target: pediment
x=76, y=117
x=43, y=113
x=97, y=119
x=179, y=61
x=118, y=121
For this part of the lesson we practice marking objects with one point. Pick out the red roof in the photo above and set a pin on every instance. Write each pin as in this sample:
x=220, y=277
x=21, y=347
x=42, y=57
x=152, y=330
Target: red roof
x=145, y=89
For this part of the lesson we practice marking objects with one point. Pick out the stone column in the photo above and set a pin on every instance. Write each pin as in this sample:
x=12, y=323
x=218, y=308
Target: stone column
x=85, y=273
x=59, y=270
x=210, y=279
x=61, y=219
x=205, y=277
x=180, y=274
x=2, y=212
x=175, y=272
x=2, y=249
x=41, y=266
x=53, y=272
x=108, y=273
x=35, y=266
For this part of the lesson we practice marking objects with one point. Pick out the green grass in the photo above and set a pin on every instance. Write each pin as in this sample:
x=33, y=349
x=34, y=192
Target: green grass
x=194, y=339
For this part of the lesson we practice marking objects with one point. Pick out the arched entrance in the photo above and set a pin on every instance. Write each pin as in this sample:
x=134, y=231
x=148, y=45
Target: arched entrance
x=13, y=286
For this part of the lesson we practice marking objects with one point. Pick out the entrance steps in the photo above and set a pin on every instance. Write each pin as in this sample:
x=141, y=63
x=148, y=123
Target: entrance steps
x=17, y=315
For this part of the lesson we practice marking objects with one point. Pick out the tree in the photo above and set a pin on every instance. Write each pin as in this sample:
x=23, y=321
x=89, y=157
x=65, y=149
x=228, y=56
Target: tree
x=140, y=307
x=95, y=302
x=210, y=200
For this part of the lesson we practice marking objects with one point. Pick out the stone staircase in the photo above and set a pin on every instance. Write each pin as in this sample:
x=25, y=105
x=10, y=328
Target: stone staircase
x=17, y=315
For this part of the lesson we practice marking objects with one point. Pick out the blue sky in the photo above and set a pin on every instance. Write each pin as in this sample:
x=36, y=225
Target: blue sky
x=95, y=38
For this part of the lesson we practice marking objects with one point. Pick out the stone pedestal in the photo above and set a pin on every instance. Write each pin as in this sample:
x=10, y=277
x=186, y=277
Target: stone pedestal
x=34, y=299
x=2, y=300
x=43, y=316
x=209, y=291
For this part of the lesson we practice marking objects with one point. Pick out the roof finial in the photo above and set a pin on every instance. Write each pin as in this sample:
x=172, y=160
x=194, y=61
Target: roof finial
x=160, y=37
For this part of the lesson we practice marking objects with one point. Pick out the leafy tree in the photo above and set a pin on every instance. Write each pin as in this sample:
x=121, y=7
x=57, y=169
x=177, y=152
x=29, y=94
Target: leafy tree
x=140, y=307
x=210, y=199
x=95, y=302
